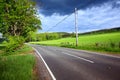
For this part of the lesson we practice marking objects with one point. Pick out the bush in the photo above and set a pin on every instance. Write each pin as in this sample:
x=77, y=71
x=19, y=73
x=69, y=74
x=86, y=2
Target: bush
x=119, y=44
x=67, y=44
x=13, y=43
x=112, y=44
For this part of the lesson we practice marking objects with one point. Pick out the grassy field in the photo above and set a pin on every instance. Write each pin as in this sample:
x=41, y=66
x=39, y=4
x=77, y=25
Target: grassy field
x=18, y=65
x=109, y=42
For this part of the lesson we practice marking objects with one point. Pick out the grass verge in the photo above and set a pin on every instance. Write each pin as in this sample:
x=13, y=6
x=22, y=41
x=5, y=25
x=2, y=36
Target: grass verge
x=18, y=65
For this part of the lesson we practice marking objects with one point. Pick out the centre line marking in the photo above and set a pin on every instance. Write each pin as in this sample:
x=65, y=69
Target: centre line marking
x=79, y=57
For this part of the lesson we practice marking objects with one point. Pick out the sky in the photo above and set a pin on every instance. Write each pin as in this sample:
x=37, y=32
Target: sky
x=92, y=15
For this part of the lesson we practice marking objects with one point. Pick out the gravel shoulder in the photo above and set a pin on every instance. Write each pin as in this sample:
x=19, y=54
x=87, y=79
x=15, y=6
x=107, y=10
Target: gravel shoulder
x=41, y=70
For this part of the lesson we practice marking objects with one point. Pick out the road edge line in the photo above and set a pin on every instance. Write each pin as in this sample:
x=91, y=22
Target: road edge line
x=50, y=72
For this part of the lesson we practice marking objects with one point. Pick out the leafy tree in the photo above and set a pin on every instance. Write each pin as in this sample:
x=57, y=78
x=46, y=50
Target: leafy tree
x=17, y=19
x=31, y=36
x=47, y=36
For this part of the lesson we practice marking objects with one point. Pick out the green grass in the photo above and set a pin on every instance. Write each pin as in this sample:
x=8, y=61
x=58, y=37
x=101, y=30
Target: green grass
x=18, y=65
x=109, y=42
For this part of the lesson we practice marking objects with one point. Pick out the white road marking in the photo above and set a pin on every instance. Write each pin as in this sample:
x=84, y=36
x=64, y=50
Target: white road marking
x=79, y=57
x=107, y=55
x=53, y=77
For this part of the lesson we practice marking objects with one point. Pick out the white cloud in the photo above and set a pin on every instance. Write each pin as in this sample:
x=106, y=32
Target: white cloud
x=50, y=21
x=95, y=18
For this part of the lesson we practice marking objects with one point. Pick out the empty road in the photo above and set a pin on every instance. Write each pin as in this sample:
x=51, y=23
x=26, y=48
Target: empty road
x=71, y=64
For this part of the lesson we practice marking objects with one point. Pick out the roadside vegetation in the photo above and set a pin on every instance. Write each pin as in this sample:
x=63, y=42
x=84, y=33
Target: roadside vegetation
x=17, y=65
x=106, y=42
x=18, y=23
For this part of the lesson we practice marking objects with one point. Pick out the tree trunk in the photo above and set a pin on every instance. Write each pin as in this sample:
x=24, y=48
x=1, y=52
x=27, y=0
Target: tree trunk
x=15, y=28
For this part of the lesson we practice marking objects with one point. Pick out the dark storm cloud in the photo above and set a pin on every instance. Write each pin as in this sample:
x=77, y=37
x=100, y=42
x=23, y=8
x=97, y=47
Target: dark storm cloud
x=62, y=7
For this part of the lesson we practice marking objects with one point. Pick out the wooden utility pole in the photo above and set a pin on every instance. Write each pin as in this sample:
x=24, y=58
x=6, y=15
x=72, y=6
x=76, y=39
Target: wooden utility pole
x=76, y=26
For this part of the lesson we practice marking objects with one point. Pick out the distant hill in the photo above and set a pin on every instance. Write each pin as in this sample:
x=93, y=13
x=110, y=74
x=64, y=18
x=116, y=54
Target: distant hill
x=117, y=29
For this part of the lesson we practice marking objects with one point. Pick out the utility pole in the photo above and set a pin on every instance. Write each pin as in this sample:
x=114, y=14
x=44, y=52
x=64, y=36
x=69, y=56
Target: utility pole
x=76, y=26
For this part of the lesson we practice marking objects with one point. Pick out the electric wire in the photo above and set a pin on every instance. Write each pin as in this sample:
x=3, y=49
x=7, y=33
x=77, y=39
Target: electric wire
x=58, y=23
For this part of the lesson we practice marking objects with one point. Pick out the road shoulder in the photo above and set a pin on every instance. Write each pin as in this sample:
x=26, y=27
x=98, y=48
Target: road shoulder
x=41, y=70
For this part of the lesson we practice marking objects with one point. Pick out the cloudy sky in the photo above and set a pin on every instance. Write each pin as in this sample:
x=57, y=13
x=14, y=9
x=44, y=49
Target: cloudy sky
x=92, y=14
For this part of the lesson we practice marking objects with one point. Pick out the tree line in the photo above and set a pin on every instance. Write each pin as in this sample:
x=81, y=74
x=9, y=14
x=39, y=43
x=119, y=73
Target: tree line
x=58, y=35
x=49, y=36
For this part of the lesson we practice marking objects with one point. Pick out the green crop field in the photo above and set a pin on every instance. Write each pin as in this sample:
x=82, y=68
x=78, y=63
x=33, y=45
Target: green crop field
x=101, y=42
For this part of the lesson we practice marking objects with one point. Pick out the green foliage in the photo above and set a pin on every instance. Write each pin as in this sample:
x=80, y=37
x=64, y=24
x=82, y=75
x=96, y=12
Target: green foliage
x=41, y=37
x=47, y=36
x=16, y=66
x=18, y=21
x=31, y=36
x=18, y=17
x=67, y=44
x=52, y=36
x=1, y=40
x=13, y=43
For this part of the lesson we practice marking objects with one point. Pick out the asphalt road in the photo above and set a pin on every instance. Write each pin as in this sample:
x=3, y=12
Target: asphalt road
x=71, y=64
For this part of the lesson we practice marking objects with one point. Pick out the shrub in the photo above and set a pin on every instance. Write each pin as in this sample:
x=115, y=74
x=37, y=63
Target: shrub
x=67, y=44
x=13, y=43
x=119, y=44
x=97, y=44
x=112, y=44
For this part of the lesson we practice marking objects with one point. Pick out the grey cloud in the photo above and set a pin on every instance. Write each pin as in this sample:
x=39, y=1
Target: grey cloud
x=64, y=7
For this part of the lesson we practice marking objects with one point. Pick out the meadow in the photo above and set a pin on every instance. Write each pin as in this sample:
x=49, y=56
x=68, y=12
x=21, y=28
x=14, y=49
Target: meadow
x=108, y=42
x=17, y=65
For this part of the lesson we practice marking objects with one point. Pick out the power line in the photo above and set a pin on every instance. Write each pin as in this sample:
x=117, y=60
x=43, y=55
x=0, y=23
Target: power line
x=58, y=23
x=66, y=17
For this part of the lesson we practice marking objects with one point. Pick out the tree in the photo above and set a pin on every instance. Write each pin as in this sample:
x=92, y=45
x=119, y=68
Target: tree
x=17, y=19
x=31, y=36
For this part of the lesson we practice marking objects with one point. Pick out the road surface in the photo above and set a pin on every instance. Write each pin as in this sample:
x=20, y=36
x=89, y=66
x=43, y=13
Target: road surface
x=71, y=64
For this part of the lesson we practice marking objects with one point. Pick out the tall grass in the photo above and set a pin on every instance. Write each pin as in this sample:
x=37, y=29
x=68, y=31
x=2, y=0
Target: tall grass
x=18, y=65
